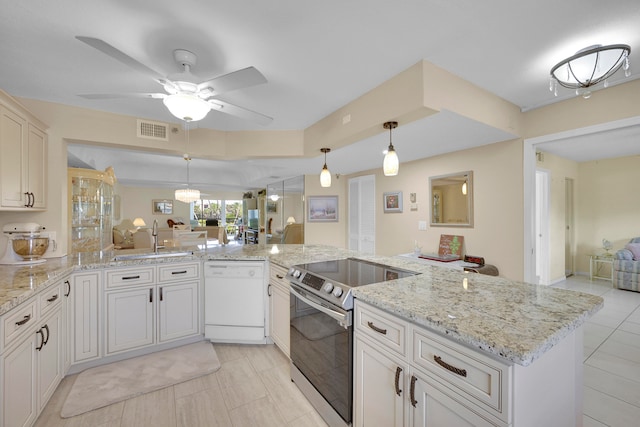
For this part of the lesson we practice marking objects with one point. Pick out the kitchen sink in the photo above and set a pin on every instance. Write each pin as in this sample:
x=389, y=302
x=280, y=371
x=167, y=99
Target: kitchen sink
x=152, y=255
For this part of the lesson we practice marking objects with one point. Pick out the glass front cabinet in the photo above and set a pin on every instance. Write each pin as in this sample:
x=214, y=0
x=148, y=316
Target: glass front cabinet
x=90, y=209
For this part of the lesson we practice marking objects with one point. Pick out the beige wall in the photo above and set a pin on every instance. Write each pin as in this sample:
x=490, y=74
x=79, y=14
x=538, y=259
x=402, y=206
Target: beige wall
x=327, y=233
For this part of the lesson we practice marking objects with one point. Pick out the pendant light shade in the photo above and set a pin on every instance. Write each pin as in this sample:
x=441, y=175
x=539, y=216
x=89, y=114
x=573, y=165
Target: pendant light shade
x=588, y=67
x=464, y=188
x=325, y=175
x=391, y=164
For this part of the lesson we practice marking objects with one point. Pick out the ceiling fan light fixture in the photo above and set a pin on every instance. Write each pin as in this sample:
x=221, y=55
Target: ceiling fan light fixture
x=391, y=163
x=588, y=67
x=187, y=107
x=325, y=175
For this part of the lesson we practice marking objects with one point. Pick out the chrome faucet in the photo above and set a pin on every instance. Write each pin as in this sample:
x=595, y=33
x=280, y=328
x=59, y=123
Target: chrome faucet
x=154, y=233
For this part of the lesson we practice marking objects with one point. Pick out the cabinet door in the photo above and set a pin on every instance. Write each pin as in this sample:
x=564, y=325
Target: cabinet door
x=84, y=316
x=279, y=312
x=13, y=157
x=178, y=311
x=50, y=358
x=37, y=167
x=429, y=407
x=130, y=316
x=380, y=388
x=19, y=384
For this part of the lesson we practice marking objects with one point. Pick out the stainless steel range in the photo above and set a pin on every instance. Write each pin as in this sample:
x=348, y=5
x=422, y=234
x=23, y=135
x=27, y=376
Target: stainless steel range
x=322, y=330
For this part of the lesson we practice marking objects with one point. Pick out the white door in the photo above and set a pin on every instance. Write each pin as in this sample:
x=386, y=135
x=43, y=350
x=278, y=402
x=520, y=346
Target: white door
x=542, y=226
x=50, y=359
x=568, y=229
x=362, y=208
x=178, y=311
x=130, y=316
x=19, y=384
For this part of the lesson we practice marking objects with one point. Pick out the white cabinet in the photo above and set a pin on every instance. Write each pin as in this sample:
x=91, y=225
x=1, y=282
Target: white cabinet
x=84, y=316
x=279, y=307
x=142, y=311
x=23, y=158
x=31, y=357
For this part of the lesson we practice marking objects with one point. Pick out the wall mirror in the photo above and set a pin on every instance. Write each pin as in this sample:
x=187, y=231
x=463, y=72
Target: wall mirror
x=451, y=200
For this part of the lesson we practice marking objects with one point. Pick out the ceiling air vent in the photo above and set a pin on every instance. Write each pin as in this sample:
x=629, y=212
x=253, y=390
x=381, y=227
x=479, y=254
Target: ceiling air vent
x=153, y=130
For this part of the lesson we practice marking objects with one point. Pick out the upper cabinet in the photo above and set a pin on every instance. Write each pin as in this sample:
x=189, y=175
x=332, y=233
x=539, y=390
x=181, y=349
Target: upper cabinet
x=23, y=158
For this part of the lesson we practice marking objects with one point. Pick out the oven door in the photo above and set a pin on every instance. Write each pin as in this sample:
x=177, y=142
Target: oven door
x=322, y=350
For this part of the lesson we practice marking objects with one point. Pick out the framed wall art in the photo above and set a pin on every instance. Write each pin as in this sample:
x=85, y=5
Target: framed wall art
x=392, y=202
x=322, y=208
x=162, y=207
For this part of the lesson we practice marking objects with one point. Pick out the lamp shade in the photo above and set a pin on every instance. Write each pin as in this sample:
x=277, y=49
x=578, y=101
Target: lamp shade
x=291, y=220
x=391, y=164
x=190, y=108
x=325, y=177
x=464, y=188
x=187, y=195
x=139, y=222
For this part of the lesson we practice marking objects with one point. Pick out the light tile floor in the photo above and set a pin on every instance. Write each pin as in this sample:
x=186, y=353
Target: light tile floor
x=253, y=388
x=611, y=355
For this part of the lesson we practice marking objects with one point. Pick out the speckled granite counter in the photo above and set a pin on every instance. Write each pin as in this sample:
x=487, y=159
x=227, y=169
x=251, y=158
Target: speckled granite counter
x=513, y=320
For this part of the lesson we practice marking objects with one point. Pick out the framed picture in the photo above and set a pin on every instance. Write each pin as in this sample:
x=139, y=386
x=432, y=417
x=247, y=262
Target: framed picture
x=322, y=208
x=272, y=207
x=162, y=207
x=392, y=201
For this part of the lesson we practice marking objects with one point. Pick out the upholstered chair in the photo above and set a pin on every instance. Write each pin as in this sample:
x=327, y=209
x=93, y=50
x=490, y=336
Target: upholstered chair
x=626, y=267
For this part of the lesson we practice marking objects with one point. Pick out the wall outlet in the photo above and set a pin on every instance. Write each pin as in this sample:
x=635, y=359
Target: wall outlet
x=422, y=225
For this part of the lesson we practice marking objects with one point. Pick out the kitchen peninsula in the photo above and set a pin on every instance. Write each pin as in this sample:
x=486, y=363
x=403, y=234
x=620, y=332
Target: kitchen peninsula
x=512, y=323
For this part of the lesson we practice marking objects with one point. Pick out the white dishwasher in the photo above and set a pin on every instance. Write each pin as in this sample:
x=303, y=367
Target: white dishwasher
x=235, y=295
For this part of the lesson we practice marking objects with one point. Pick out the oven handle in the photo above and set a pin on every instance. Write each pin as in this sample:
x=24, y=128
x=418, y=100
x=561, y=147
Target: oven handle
x=343, y=318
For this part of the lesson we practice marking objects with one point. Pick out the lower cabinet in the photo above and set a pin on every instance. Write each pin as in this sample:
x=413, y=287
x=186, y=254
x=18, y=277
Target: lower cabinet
x=84, y=315
x=279, y=307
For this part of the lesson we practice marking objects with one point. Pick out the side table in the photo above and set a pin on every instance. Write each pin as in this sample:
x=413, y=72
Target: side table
x=595, y=265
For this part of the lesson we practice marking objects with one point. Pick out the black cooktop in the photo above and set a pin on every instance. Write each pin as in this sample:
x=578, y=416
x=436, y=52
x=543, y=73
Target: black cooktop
x=355, y=272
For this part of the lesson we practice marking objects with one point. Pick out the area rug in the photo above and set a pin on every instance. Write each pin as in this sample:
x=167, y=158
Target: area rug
x=112, y=383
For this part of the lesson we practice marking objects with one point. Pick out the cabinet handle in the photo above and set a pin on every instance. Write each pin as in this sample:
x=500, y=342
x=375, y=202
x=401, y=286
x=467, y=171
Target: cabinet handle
x=151, y=295
x=53, y=298
x=279, y=276
x=398, y=372
x=414, y=402
x=66, y=282
x=28, y=199
x=375, y=328
x=46, y=327
x=42, y=340
x=24, y=320
x=33, y=200
x=269, y=289
x=161, y=296
x=179, y=272
x=130, y=277
x=439, y=361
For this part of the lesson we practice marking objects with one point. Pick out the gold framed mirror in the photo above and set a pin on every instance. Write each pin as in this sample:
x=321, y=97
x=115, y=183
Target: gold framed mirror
x=451, y=200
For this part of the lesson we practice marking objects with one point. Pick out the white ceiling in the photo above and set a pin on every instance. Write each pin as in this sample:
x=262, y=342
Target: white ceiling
x=316, y=56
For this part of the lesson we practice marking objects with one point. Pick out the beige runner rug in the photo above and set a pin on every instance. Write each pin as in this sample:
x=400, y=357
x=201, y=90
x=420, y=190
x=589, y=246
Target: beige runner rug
x=112, y=383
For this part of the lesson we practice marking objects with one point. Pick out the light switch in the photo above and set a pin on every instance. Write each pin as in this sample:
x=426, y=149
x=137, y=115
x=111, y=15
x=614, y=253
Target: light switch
x=422, y=225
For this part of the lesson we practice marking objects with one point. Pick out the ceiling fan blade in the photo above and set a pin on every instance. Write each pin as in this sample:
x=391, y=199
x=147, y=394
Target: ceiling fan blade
x=122, y=95
x=240, y=112
x=106, y=48
x=246, y=77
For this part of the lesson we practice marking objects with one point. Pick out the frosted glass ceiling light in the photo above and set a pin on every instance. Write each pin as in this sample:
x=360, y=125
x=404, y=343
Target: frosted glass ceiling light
x=325, y=175
x=391, y=164
x=588, y=67
x=187, y=107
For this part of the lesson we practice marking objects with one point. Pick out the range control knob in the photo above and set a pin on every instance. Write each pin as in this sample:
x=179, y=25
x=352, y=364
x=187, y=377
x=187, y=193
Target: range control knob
x=296, y=273
x=337, y=292
x=328, y=287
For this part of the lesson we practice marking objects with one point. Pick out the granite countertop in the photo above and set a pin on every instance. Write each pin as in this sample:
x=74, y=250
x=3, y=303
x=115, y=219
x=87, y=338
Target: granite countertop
x=513, y=320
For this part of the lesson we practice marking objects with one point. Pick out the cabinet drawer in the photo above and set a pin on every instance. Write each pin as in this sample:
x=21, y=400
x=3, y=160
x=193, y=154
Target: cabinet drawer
x=130, y=276
x=382, y=327
x=50, y=299
x=17, y=323
x=480, y=379
x=171, y=273
x=278, y=276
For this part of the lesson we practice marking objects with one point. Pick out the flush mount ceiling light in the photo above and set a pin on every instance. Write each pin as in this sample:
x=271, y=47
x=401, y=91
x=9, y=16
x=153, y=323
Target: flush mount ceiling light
x=391, y=164
x=588, y=67
x=325, y=175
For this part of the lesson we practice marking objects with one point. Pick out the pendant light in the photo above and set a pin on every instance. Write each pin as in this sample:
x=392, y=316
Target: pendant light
x=464, y=187
x=325, y=175
x=391, y=164
x=187, y=195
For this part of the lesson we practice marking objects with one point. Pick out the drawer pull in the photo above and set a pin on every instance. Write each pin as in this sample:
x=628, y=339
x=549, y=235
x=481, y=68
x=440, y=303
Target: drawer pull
x=41, y=339
x=66, y=282
x=179, y=272
x=375, y=328
x=46, y=327
x=398, y=372
x=24, y=320
x=279, y=276
x=412, y=396
x=130, y=277
x=439, y=361
x=53, y=298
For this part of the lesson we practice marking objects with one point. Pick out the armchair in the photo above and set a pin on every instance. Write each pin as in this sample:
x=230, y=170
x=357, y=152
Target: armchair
x=626, y=267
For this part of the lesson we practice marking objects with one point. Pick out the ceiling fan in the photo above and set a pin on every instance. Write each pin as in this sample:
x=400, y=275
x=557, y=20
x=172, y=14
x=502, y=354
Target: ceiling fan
x=185, y=98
